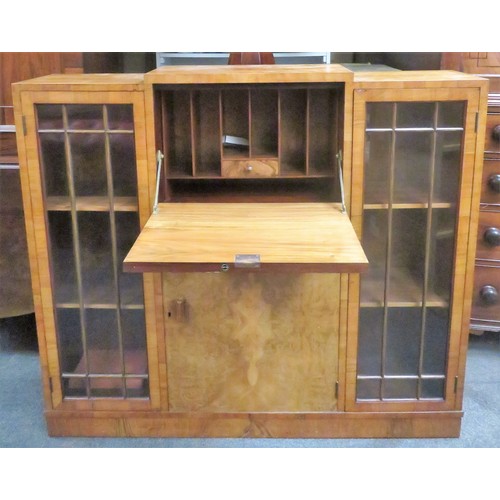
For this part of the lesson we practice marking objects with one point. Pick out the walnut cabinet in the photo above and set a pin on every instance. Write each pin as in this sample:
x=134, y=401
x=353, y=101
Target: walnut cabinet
x=259, y=251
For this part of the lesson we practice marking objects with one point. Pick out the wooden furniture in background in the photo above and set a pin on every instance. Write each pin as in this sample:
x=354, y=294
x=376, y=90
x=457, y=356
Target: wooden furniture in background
x=15, y=287
x=251, y=58
x=486, y=299
x=270, y=177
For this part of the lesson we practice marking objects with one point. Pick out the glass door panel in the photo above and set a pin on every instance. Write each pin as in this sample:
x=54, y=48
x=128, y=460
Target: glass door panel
x=88, y=165
x=412, y=172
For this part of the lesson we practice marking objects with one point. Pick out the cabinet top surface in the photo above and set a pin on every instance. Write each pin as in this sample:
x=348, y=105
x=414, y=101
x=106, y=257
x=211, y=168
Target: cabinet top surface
x=106, y=81
x=417, y=77
x=279, y=73
x=315, y=235
x=265, y=73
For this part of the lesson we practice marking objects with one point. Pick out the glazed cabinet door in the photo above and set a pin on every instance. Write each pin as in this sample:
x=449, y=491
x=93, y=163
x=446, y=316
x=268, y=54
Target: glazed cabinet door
x=85, y=182
x=414, y=155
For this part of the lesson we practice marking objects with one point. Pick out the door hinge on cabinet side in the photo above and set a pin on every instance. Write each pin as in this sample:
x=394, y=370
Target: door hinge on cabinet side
x=455, y=386
x=24, y=125
x=476, y=124
x=336, y=389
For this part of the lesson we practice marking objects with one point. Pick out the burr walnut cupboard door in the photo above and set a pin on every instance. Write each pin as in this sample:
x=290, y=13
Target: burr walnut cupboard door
x=252, y=342
x=414, y=151
x=85, y=176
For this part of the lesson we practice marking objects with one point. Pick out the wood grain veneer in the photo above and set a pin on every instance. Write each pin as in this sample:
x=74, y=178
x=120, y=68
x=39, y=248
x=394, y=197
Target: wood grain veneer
x=252, y=342
x=316, y=236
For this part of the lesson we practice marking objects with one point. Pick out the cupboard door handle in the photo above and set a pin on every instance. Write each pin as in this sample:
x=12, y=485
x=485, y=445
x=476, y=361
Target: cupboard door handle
x=494, y=182
x=488, y=295
x=495, y=133
x=492, y=236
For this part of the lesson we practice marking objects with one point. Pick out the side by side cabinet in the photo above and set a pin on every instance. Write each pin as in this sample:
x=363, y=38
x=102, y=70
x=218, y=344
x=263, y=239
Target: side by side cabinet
x=261, y=251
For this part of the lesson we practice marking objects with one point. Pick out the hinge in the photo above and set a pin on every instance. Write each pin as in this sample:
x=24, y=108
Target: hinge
x=476, y=125
x=51, y=385
x=336, y=389
x=455, y=387
x=24, y=125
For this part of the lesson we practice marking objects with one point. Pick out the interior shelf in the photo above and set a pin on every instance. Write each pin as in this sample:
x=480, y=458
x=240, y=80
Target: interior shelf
x=377, y=196
x=405, y=206
x=404, y=291
x=129, y=299
x=265, y=190
x=92, y=203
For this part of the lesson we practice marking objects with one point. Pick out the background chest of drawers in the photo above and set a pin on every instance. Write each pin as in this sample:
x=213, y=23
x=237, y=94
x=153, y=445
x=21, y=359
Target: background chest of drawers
x=486, y=299
x=486, y=302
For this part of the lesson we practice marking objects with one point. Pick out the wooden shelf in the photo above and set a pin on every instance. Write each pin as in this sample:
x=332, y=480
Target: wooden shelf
x=404, y=206
x=92, y=204
x=297, y=174
x=303, y=237
x=130, y=298
x=403, y=291
x=376, y=196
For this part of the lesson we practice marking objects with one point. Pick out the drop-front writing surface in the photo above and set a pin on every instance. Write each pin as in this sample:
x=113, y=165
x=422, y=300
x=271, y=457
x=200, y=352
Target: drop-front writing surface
x=251, y=342
x=309, y=237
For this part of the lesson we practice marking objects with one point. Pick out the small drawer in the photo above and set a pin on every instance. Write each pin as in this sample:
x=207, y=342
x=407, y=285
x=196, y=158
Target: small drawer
x=486, y=296
x=250, y=167
x=488, y=237
x=492, y=142
x=490, y=190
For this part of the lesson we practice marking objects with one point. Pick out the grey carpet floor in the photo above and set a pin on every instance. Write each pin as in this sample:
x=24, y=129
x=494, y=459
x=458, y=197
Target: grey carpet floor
x=22, y=424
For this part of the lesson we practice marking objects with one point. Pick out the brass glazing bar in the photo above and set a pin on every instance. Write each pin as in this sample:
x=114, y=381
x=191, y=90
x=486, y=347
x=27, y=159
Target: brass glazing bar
x=114, y=249
x=428, y=241
x=388, y=259
x=402, y=377
x=105, y=375
x=86, y=131
x=76, y=246
x=417, y=129
x=107, y=398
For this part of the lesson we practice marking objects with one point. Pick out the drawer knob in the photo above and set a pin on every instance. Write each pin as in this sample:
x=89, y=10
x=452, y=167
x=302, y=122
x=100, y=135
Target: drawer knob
x=495, y=133
x=249, y=167
x=492, y=236
x=494, y=182
x=488, y=295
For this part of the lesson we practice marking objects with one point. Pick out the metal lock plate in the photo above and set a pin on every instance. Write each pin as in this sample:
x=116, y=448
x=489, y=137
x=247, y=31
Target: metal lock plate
x=250, y=261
